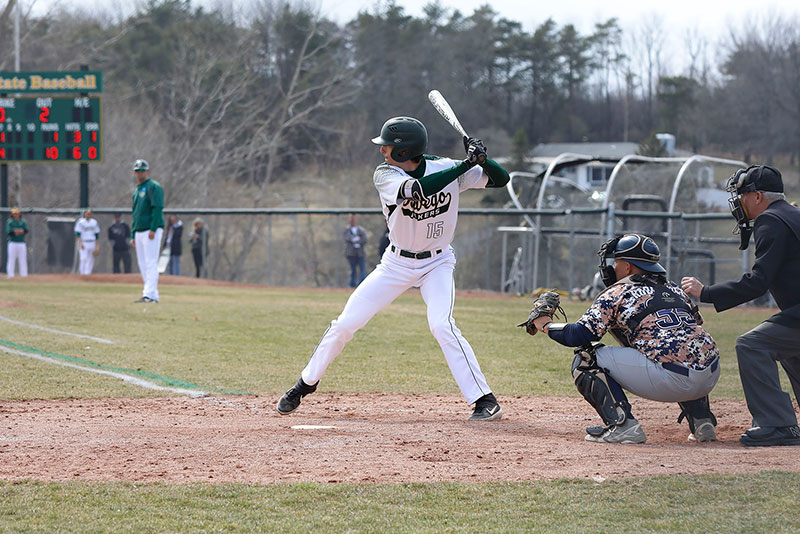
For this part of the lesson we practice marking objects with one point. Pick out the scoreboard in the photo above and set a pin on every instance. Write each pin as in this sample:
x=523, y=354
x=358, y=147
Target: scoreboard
x=51, y=129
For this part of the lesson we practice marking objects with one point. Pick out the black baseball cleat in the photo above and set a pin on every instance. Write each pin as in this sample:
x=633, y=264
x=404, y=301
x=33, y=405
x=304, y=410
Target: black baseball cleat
x=486, y=409
x=146, y=300
x=768, y=436
x=291, y=399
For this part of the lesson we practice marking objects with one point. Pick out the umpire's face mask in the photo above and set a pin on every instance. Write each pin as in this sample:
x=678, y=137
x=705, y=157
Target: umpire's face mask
x=737, y=186
x=606, y=267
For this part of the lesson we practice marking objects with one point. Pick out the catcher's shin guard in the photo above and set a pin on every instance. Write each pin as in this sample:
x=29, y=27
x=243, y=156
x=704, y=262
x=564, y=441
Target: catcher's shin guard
x=599, y=389
x=696, y=409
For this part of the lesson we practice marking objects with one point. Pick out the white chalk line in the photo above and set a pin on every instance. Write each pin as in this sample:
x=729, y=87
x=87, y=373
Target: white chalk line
x=122, y=376
x=54, y=331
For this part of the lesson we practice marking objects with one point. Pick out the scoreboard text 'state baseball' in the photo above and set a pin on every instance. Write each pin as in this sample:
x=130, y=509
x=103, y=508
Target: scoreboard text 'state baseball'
x=50, y=128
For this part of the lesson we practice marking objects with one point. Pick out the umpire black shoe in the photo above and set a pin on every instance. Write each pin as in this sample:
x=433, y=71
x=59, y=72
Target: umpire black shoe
x=291, y=399
x=486, y=409
x=768, y=436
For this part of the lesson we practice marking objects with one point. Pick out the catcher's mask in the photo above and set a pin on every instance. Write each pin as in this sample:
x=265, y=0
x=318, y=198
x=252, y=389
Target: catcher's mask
x=637, y=249
x=753, y=178
x=407, y=135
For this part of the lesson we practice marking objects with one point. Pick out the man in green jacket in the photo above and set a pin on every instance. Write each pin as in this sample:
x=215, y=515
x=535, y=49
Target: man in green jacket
x=147, y=228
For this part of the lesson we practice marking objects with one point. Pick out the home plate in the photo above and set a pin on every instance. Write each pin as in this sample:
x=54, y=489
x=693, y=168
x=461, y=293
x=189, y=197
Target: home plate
x=312, y=427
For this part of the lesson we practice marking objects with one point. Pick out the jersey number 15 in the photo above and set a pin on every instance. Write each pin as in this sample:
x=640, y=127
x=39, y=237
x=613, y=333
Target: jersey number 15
x=435, y=229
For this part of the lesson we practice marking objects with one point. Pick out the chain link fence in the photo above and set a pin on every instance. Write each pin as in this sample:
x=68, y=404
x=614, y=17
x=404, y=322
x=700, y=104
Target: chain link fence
x=497, y=249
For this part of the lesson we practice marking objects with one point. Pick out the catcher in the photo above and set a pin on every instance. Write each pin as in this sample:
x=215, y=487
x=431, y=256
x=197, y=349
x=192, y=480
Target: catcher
x=665, y=355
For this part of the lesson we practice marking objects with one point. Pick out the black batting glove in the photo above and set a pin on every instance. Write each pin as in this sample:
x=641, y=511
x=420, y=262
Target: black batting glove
x=476, y=151
x=466, y=142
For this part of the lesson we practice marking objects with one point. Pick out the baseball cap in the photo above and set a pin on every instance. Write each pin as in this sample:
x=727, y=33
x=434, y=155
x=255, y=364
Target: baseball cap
x=15, y=211
x=758, y=178
x=141, y=165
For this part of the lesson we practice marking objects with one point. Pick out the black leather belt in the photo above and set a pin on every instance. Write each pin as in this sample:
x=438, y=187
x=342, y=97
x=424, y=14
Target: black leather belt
x=417, y=255
x=681, y=370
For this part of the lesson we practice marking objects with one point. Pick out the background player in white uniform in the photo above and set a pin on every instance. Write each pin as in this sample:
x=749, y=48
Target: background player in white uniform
x=419, y=195
x=87, y=231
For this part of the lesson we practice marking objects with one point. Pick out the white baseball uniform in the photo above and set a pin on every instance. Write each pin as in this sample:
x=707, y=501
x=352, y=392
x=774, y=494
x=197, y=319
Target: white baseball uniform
x=87, y=231
x=419, y=255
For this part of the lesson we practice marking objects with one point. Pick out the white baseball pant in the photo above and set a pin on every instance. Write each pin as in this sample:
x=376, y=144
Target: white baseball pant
x=393, y=276
x=86, y=257
x=147, y=253
x=17, y=252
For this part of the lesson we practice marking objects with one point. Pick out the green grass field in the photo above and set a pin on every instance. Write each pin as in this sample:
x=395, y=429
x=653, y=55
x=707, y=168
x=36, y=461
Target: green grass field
x=256, y=341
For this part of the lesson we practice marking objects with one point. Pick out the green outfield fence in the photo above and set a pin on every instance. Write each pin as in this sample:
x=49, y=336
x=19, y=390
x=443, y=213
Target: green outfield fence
x=496, y=249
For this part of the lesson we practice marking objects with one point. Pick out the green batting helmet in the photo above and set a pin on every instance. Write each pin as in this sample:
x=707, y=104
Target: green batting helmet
x=408, y=136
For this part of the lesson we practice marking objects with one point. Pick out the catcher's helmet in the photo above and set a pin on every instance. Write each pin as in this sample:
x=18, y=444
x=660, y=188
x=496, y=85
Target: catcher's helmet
x=408, y=136
x=141, y=165
x=637, y=249
x=641, y=251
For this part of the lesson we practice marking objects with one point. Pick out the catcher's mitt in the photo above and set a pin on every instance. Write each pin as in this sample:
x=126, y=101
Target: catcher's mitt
x=549, y=304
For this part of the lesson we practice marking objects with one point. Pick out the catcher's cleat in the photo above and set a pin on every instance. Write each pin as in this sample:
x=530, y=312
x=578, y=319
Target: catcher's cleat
x=629, y=431
x=291, y=399
x=486, y=409
x=703, y=431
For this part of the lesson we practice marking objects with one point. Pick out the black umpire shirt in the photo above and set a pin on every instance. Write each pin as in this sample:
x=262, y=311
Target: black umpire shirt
x=775, y=269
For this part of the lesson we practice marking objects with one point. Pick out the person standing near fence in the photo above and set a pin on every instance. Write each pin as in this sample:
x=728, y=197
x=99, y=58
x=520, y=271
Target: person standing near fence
x=419, y=195
x=199, y=241
x=87, y=231
x=147, y=228
x=355, y=242
x=757, y=196
x=175, y=244
x=16, y=230
x=119, y=234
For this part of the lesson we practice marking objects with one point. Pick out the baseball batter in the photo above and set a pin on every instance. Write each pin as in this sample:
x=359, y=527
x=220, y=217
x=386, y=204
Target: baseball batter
x=87, y=231
x=419, y=195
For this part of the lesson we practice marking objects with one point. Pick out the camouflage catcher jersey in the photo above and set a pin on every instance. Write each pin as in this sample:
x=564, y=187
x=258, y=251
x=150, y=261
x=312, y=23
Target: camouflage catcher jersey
x=654, y=316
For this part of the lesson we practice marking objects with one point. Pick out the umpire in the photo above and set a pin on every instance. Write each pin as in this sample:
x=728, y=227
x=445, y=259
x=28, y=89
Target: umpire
x=757, y=195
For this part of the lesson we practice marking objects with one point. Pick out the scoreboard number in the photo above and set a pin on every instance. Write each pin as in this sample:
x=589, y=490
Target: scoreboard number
x=51, y=129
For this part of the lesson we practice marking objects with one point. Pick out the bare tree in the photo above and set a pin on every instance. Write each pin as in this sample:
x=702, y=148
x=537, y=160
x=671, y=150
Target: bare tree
x=651, y=38
x=295, y=53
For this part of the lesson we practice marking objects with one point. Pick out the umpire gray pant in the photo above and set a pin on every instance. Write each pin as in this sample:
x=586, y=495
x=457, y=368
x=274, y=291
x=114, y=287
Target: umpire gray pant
x=757, y=351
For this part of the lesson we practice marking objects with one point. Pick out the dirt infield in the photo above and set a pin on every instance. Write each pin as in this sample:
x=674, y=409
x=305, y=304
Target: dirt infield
x=386, y=438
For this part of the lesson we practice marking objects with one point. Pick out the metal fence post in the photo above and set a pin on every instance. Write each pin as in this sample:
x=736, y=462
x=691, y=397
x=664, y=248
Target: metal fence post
x=503, y=252
x=571, y=252
x=610, y=225
x=488, y=247
x=270, y=266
